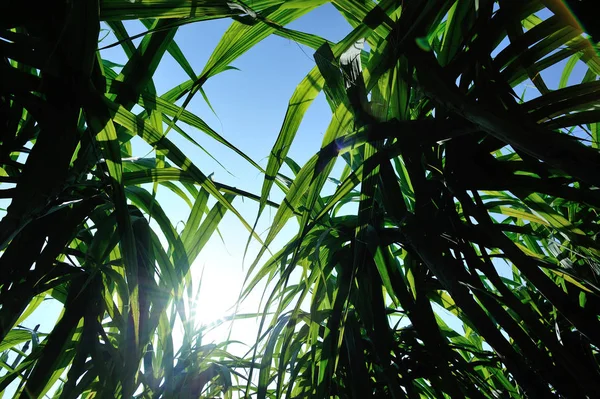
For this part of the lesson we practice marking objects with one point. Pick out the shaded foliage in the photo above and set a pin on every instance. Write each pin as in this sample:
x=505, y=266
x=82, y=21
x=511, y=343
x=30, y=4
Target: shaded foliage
x=78, y=226
x=469, y=265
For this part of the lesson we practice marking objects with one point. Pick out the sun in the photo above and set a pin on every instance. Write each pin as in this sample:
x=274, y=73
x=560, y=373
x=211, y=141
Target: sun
x=215, y=299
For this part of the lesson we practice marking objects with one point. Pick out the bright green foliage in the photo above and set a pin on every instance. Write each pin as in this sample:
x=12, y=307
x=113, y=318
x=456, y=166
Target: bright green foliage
x=470, y=266
x=459, y=255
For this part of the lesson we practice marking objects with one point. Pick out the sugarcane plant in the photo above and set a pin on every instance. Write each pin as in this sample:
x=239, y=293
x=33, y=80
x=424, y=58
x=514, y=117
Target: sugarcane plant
x=458, y=253
x=456, y=256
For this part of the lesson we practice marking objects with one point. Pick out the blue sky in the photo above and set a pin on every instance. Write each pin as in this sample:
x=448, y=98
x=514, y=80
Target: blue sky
x=250, y=105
